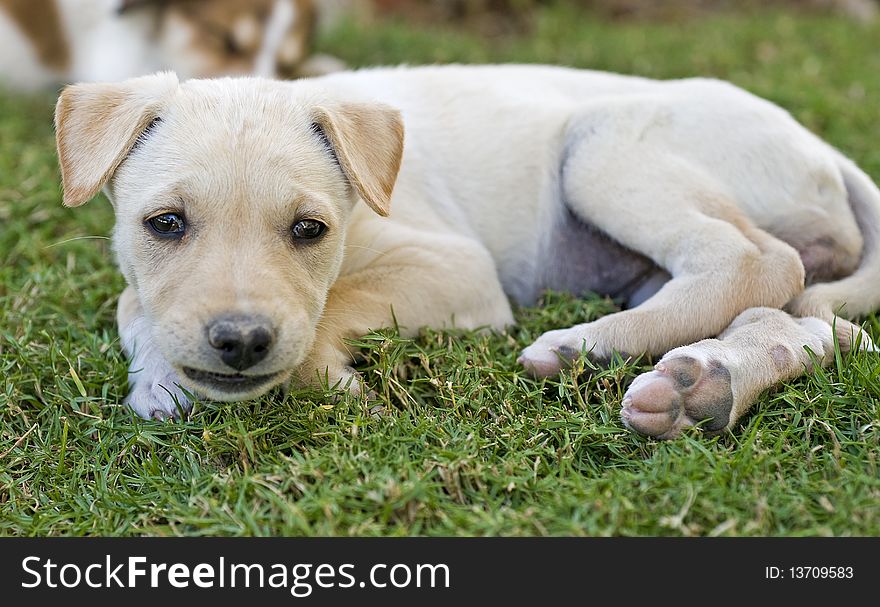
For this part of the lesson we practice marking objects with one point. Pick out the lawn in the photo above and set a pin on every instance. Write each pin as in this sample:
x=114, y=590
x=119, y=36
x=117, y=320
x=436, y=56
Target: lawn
x=466, y=445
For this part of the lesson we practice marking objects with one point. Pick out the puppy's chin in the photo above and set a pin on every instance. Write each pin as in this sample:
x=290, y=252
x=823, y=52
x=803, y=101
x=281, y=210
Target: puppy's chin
x=229, y=387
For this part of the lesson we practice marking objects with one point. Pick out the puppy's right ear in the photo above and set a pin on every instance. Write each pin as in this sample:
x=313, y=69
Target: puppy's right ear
x=96, y=125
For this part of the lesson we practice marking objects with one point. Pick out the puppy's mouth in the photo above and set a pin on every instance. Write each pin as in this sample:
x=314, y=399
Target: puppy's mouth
x=232, y=382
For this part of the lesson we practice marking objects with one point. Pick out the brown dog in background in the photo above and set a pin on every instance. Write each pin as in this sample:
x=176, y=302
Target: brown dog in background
x=45, y=42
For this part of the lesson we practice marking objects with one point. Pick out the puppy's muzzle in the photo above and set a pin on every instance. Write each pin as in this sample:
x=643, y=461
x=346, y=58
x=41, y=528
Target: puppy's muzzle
x=241, y=341
x=237, y=343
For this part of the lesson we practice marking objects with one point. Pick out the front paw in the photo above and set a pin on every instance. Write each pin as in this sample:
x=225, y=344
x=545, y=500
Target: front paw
x=157, y=396
x=556, y=350
x=330, y=377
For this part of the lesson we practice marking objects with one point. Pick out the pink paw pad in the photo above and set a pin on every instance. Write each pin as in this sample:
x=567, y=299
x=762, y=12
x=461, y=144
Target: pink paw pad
x=680, y=392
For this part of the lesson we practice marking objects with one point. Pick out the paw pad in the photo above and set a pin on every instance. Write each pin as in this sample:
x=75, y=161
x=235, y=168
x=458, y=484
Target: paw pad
x=681, y=391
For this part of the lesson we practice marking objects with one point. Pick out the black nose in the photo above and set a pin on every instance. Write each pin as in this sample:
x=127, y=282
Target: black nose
x=242, y=341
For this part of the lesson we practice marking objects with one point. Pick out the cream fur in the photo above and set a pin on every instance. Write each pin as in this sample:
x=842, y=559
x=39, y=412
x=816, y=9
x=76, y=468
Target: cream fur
x=716, y=186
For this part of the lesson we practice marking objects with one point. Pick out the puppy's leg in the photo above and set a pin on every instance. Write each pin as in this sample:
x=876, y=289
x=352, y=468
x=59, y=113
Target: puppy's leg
x=424, y=279
x=720, y=271
x=721, y=264
x=713, y=382
x=154, y=390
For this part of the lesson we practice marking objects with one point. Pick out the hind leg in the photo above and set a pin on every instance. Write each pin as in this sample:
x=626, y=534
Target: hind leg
x=721, y=263
x=714, y=382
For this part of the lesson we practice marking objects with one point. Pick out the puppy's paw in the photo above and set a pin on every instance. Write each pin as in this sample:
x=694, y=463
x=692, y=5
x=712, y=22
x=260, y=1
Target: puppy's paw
x=681, y=391
x=157, y=396
x=346, y=378
x=554, y=351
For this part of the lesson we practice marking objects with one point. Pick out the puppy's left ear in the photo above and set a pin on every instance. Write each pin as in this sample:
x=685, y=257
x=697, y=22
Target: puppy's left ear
x=367, y=139
x=96, y=125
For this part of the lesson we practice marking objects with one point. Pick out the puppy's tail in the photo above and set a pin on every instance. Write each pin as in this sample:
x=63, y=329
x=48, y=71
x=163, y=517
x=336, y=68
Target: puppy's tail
x=859, y=293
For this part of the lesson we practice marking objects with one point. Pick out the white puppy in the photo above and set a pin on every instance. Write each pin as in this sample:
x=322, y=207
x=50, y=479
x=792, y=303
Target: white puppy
x=250, y=257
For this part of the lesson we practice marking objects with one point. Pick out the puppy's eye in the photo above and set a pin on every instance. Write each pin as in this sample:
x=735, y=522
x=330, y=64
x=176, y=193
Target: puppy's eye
x=307, y=229
x=167, y=224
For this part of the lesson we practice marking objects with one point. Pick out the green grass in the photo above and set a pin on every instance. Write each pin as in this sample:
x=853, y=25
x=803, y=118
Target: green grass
x=467, y=444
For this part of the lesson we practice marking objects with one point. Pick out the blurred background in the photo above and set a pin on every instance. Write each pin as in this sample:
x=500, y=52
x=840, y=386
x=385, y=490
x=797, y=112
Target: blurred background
x=49, y=42
x=518, y=14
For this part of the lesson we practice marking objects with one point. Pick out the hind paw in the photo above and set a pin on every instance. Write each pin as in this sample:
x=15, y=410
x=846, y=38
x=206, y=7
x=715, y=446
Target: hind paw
x=681, y=391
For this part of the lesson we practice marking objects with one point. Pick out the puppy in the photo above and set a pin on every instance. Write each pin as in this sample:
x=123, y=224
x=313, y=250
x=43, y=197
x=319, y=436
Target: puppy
x=260, y=224
x=44, y=42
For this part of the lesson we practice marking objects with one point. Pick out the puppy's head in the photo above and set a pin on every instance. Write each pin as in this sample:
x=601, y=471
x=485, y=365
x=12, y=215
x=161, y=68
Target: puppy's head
x=206, y=38
x=232, y=199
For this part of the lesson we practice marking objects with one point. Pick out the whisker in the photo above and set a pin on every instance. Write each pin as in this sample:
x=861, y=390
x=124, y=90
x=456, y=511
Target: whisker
x=55, y=244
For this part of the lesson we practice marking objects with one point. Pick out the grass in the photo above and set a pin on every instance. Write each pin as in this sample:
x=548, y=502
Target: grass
x=468, y=445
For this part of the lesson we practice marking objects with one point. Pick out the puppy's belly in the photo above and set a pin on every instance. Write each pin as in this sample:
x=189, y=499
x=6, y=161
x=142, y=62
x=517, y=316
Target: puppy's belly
x=580, y=258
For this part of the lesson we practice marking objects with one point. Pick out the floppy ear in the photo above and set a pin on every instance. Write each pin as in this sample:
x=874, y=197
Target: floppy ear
x=96, y=125
x=367, y=139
